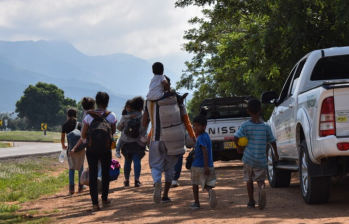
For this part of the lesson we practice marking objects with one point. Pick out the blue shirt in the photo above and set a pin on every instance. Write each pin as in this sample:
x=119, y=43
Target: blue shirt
x=258, y=134
x=203, y=140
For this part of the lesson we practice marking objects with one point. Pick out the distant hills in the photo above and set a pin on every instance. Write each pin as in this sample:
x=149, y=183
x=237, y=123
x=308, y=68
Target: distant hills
x=25, y=63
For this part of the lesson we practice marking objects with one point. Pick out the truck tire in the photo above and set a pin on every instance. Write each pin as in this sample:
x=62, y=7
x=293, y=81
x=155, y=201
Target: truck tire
x=315, y=190
x=277, y=178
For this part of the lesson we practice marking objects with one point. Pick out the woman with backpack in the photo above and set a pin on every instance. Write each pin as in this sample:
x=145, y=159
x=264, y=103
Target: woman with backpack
x=133, y=139
x=70, y=125
x=98, y=132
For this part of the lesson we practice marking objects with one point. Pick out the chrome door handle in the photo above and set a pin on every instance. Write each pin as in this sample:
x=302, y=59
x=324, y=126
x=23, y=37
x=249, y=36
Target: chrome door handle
x=291, y=106
x=281, y=112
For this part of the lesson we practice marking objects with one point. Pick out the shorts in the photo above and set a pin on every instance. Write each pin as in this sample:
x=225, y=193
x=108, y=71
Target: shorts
x=252, y=174
x=198, y=177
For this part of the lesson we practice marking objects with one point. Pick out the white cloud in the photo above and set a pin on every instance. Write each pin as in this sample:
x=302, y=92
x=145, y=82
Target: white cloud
x=146, y=29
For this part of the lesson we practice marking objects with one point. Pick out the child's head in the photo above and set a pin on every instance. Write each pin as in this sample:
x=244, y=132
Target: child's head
x=199, y=124
x=158, y=68
x=254, y=106
x=138, y=103
x=71, y=113
x=102, y=99
x=88, y=103
x=129, y=106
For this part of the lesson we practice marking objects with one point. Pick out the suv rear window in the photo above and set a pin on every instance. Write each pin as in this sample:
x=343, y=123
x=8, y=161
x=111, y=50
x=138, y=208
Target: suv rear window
x=234, y=110
x=328, y=68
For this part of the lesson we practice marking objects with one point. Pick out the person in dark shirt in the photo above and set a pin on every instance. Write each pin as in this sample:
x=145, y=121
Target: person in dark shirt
x=67, y=127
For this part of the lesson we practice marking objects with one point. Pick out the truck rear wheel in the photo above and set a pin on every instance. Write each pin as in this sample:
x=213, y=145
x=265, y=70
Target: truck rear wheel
x=315, y=190
x=277, y=178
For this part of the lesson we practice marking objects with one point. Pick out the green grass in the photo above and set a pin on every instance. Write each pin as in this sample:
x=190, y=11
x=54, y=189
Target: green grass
x=2, y=145
x=35, y=136
x=24, y=180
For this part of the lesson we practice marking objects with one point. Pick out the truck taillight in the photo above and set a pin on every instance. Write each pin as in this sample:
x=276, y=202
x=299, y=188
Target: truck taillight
x=327, y=118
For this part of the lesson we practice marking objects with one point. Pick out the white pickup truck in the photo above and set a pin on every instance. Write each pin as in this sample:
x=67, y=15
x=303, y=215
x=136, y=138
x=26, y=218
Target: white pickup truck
x=224, y=117
x=311, y=124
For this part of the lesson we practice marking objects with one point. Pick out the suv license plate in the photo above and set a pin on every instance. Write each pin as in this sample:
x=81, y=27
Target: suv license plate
x=229, y=145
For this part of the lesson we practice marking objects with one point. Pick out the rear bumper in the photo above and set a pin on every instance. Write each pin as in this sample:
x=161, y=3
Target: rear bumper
x=219, y=153
x=327, y=147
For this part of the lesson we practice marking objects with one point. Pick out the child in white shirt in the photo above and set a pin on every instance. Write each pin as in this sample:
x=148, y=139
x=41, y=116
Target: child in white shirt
x=159, y=87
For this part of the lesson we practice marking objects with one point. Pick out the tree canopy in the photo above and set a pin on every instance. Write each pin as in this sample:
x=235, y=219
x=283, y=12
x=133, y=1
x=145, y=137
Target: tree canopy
x=245, y=47
x=44, y=103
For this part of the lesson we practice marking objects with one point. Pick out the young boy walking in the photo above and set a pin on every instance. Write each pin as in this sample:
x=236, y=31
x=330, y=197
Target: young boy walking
x=202, y=171
x=254, y=157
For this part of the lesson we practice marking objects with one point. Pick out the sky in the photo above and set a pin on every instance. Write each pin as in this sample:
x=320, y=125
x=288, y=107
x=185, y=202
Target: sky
x=144, y=28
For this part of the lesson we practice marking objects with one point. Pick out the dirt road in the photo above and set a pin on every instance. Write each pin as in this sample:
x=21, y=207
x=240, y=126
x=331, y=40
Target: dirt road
x=135, y=205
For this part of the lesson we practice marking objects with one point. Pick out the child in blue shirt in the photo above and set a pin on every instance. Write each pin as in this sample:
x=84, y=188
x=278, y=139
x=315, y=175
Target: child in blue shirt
x=254, y=157
x=202, y=170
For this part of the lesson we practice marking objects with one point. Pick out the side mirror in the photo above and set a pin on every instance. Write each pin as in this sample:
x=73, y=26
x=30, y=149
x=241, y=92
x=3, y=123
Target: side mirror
x=269, y=97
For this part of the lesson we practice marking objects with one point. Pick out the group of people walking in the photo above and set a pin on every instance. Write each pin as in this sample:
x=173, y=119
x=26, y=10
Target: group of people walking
x=98, y=127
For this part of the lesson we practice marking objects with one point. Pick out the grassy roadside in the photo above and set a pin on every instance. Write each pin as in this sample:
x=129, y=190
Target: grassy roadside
x=2, y=145
x=34, y=136
x=27, y=179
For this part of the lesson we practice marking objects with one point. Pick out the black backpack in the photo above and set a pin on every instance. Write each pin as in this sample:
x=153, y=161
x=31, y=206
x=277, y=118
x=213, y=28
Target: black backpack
x=132, y=127
x=99, y=134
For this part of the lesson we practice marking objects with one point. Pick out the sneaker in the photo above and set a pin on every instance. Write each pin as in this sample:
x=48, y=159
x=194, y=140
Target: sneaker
x=262, y=199
x=213, y=198
x=251, y=204
x=174, y=183
x=81, y=188
x=138, y=183
x=95, y=208
x=126, y=183
x=157, y=193
x=106, y=202
x=71, y=190
x=165, y=200
x=117, y=154
x=195, y=206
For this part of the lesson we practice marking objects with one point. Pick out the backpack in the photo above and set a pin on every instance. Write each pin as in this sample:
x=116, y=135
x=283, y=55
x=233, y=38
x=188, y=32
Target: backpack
x=99, y=134
x=132, y=127
x=73, y=137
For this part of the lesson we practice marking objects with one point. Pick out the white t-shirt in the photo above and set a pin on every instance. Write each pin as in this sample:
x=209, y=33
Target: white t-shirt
x=111, y=118
x=156, y=88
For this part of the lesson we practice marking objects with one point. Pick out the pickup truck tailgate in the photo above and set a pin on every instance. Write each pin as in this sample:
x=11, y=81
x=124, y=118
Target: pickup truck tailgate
x=341, y=103
x=223, y=129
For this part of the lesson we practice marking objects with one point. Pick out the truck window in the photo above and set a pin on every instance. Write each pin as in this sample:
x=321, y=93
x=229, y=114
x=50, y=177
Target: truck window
x=234, y=110
x=296, y=76
x=329, y=68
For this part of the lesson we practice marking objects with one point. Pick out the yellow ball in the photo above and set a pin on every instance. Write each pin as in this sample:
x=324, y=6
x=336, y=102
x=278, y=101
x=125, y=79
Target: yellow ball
x=243, y=141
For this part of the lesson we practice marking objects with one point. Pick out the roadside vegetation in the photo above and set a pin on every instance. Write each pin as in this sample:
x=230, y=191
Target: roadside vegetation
x=26, y=179
x=30, y=136
x=2, y=145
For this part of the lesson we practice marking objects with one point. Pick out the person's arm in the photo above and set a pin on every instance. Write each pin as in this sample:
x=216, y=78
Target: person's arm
x=188, y=127
x=145, y=119
x=84, y=132
x=63, y=141
x=76, y=146
x=113, y=128
x=205, y=154
x=276, y=155
x=239, y=148
x=166, y=85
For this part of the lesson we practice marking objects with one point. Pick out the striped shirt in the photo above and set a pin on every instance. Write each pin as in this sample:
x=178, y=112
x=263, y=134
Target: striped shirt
x=258, y=134
x=152, y=109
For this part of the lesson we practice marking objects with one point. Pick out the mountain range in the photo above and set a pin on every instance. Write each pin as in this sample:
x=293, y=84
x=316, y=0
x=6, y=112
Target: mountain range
x=25, y=63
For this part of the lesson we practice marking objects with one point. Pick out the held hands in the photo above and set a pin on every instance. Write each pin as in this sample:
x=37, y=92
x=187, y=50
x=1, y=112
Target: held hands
x=65, y=147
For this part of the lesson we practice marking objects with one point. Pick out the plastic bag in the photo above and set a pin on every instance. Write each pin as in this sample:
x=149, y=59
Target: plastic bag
x=62, y=156
x=85, y=177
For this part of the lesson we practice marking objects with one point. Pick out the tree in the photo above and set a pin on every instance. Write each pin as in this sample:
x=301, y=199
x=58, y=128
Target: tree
x=245, y=47
x=44, y=103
